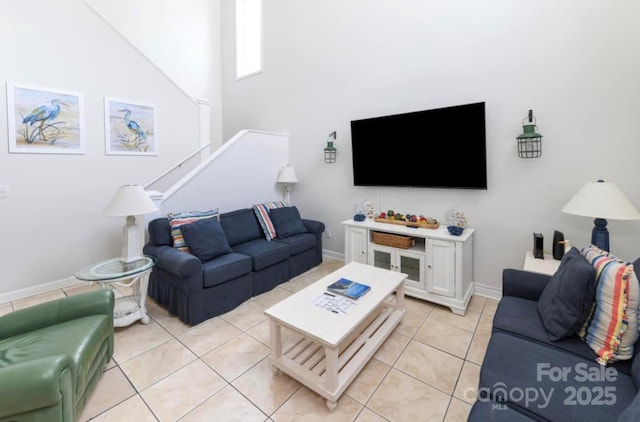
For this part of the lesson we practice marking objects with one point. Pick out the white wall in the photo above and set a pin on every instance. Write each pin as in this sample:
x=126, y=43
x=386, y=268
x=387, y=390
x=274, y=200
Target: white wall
x=572, y=62
x=181, y=39
x=240, y=174
x=53, y=223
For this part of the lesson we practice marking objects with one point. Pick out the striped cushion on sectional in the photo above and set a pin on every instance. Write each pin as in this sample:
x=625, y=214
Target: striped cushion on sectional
x=612, y=326
x=178, y=219
x=262, y=212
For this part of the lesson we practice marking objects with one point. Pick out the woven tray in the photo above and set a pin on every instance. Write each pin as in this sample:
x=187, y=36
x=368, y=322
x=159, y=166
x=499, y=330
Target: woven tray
x=421, y=224
x=394, y=240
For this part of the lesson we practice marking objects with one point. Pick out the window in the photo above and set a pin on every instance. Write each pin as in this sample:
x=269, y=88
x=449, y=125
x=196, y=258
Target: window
x=248, y=37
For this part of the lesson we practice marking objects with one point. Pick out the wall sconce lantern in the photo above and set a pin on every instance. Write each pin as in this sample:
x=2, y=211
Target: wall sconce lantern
x=330, y=150
x=529, y=142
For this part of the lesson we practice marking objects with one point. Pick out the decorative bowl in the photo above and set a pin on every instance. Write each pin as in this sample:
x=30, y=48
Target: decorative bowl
x=455, y=230
x=359, y=217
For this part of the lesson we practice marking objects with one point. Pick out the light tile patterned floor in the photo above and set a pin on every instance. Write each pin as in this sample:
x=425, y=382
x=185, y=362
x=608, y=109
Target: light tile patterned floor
x=427, y=370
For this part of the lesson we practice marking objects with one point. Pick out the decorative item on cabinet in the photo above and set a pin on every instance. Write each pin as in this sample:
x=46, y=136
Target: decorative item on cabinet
x=456, y=221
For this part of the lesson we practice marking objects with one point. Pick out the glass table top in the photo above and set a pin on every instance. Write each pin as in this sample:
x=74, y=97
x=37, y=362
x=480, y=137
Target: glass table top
x=114, y=269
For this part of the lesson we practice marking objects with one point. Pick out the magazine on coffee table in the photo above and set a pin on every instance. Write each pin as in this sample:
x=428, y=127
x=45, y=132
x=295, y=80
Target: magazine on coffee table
x=348, y=288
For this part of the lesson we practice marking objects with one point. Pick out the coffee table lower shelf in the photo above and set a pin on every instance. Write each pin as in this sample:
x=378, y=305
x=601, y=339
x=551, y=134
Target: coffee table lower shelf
x=329, y=370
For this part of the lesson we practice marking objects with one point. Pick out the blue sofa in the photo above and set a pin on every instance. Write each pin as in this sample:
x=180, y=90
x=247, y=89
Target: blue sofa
x=525, y=376
x=196, y=290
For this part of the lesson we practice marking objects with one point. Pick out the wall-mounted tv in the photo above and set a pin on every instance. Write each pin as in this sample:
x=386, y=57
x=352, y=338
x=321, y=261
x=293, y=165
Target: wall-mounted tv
x=435, y=148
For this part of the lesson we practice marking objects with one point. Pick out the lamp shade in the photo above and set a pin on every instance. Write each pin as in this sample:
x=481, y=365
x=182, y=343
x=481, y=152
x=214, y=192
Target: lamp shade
x=602, y=200
x=287, y=175
x=130, y=200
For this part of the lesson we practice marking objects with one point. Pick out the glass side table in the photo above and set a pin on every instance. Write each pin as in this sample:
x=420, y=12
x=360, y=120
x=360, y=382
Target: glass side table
x=127, y=309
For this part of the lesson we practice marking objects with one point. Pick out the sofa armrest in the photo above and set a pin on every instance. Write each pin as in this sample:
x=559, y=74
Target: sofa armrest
x=315, y=227
x=176, y=262
x=524, y=284
x=36, y=384
x=54, y=312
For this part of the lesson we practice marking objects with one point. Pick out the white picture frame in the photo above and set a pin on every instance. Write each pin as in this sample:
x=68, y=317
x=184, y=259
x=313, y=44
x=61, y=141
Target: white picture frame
x=129, y=127
x=45, y=121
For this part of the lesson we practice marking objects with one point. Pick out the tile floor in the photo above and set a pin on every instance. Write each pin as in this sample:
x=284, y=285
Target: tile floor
x=427, y=370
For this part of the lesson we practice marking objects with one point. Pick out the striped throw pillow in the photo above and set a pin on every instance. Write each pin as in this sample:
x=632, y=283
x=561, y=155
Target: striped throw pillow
x=262, y=212
x=178, y=219
x=611, y=328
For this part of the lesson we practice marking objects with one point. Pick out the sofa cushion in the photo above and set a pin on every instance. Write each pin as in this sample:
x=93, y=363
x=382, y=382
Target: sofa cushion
x=178, y=219
x=262, y=214
x=263, y=253
x=206, y=239
x=611, y=329
x=160, y=232
x=632, y=412
x=287, y=222
x=299, y=243
x=512, y=365
x=520, y=317
x=566, y=301
x=240, y=226
x=491, y=411
x=224, y=268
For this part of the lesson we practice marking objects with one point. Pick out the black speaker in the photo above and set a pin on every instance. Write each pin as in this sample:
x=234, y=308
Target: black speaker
x=558, y=245
x=538, y=246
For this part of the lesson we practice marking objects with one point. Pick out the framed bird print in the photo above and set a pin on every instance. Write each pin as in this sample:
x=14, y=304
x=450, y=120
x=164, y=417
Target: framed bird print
x=130, y=128
x=44, y=121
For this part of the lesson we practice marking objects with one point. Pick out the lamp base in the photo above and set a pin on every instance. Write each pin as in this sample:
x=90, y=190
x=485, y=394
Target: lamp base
x=600, y=234
x=131, y=249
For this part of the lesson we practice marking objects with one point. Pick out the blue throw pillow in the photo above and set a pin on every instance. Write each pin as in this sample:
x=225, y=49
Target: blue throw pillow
x=287, y=222
x=206, y=239
x=566, y=301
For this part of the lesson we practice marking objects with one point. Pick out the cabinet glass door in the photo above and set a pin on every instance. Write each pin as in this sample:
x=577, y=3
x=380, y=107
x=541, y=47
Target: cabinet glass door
x=382, y=259
x=410, y=266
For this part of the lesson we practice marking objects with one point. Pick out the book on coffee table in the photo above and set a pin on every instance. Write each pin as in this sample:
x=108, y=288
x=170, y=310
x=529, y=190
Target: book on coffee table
x=349, y=288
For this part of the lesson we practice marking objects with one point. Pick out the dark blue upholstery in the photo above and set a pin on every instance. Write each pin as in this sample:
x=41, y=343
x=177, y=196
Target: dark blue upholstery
x=225, y=268
x=287, y=222
x=565, y=303
x=511, y=364
x=520, y=344
x=490, y=411
x=196, y=290
x=241, y=226
x=263, y=252
x=632, y=412
x=205, y=239
x=160, y=232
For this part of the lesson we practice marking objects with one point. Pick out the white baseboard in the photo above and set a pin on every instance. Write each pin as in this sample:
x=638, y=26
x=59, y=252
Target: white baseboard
x=40, y=288
x=333, y=254
x=487, y=291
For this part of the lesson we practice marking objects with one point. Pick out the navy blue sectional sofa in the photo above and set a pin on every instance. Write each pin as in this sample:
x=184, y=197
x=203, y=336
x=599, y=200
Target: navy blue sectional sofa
x=196, y=290
x=525, y=376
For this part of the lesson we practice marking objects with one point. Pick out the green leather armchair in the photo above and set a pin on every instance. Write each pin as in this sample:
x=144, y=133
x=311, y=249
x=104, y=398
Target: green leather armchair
x=52, y=355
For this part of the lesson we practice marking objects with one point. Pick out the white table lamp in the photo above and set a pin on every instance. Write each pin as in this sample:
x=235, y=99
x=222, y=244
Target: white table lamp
x=288, y=177
x=601, y=200
x=129, y=201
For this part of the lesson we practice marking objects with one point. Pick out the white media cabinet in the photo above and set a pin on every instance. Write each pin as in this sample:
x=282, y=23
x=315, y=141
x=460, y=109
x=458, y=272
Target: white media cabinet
x=439, y=266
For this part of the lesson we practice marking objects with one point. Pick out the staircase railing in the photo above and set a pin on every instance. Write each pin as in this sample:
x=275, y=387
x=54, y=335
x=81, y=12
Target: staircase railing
x=175, y=166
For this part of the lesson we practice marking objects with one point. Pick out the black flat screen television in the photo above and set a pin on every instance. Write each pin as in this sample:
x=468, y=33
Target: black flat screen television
x=435, y=148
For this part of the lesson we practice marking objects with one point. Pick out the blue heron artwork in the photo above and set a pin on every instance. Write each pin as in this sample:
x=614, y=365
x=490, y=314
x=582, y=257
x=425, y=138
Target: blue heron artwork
x=44, y=121
x=130, y=128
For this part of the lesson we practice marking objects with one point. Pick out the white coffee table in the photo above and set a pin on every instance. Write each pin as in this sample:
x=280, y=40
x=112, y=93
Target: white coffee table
x=335, y=347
